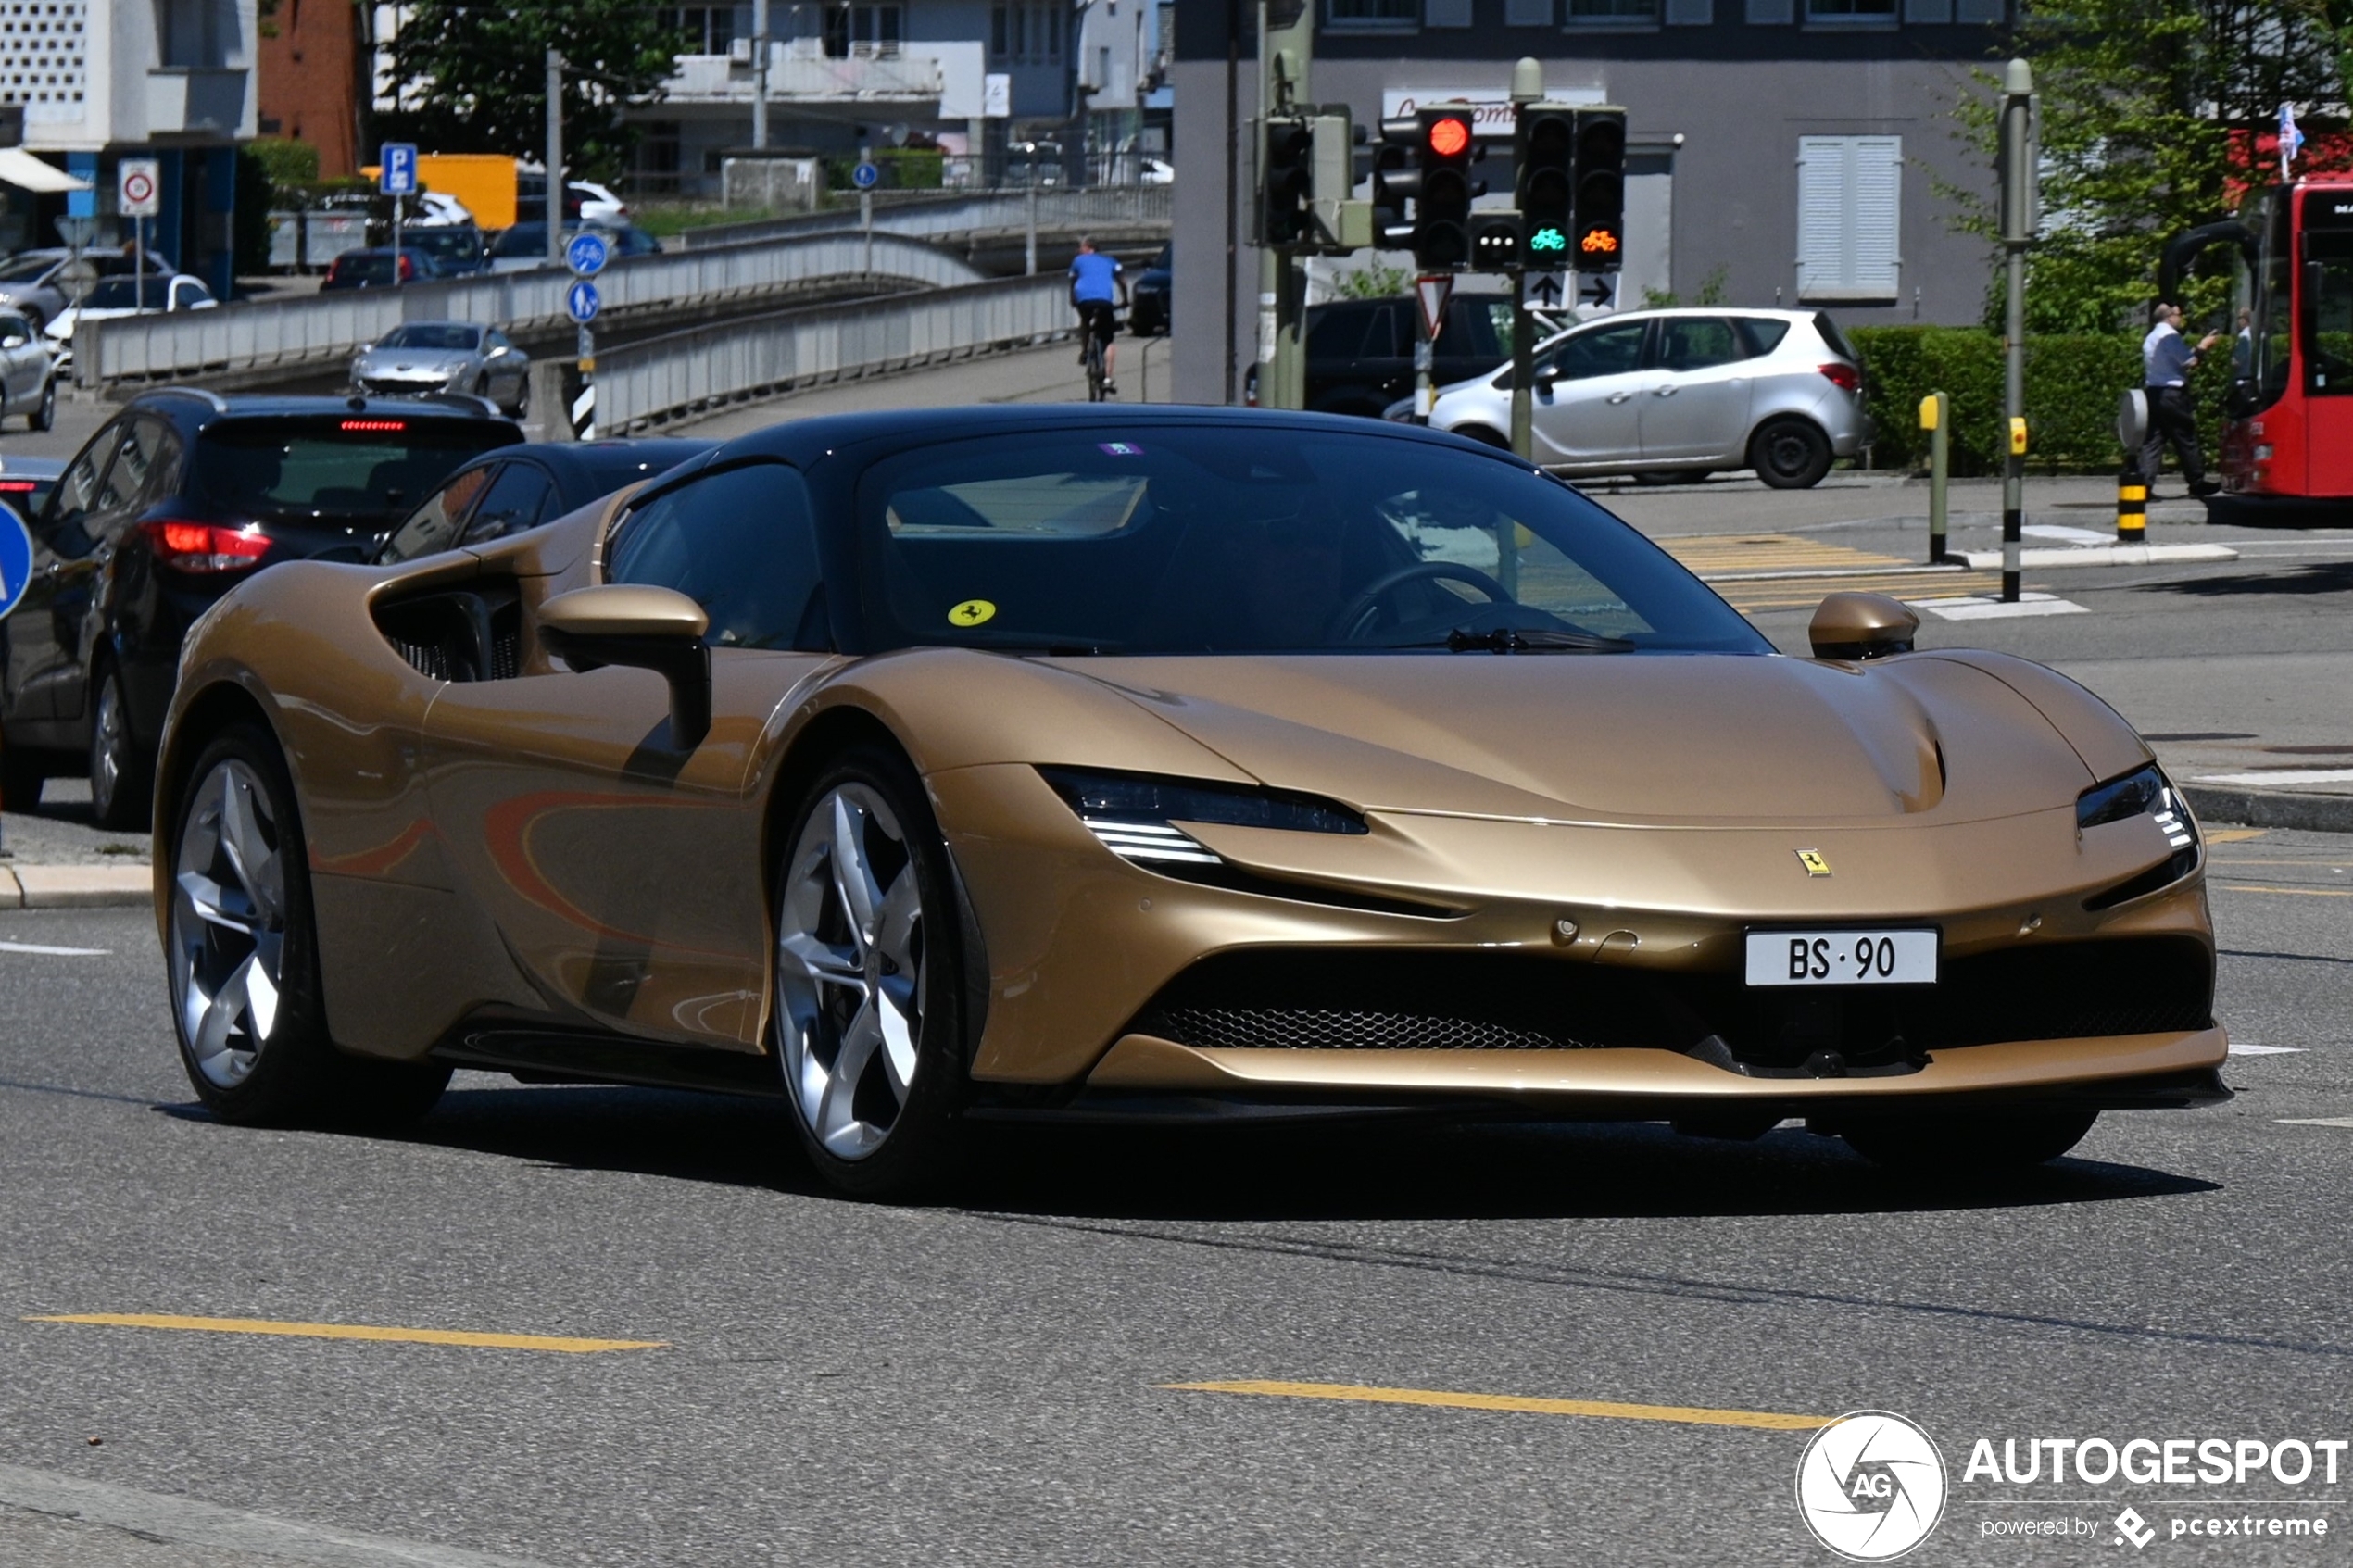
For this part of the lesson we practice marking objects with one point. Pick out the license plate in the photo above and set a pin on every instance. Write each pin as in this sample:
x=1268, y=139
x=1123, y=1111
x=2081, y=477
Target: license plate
x=1841, y=958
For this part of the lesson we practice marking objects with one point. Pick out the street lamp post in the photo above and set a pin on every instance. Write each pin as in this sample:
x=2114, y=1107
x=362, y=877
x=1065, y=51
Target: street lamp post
x=555, y=159
x=758, y=74
x=2019, y=221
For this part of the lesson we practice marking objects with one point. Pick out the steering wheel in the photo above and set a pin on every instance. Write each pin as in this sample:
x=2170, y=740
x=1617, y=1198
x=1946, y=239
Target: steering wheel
x=1350, y=621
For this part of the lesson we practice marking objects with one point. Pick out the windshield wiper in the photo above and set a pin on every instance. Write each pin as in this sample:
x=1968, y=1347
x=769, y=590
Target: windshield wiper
x=1508, y=639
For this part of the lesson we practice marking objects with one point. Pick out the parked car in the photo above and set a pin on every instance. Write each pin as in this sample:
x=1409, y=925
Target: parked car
x=373, y=269
x=1156, y=171
x=513, y=488
x=28, y=373
x=1682, y=394
x=459, y=250
x=177, y=498
x=124, y=294
x=1147, y=298
x=417, y=358
x=524, y=246
x=1360, y=352
x=436, y=211
x=25, y=482
x=44, y=282
x=584, y=201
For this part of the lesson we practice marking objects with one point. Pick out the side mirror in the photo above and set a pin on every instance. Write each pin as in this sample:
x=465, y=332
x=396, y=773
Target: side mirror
x=643, y=627
x=1861, y=626
x=1544, y=374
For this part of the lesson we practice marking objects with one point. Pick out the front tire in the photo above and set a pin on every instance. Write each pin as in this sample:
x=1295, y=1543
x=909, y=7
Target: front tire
x=1790, y=453
x=522, y=397
x=44, y=413
x=121, y=775
x=242, y=957
x=1989, y=1142
x=870, y=979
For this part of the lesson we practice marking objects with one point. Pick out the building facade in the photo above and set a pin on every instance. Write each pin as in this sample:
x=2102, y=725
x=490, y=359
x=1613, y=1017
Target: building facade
x=1789, y=152
x=101, y=81
x=308, y=81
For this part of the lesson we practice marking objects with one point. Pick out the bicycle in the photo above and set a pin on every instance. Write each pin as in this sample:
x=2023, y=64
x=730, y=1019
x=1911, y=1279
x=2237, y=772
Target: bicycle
x=1092, y=354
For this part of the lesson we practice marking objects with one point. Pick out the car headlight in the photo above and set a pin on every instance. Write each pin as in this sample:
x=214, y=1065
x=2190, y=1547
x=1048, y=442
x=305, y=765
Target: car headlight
x=1135, y=815
x=2143, y=792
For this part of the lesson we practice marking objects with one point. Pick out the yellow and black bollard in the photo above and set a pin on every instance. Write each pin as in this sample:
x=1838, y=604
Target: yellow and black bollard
x=2131, y=507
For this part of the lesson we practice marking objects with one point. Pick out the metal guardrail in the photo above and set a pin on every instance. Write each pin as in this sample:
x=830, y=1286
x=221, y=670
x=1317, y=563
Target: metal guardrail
x=659, y=379
x=974, y=212
x=322, y=329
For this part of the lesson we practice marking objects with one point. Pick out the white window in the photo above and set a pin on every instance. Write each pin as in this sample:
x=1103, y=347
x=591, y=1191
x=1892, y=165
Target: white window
x=1849, y=208
x=1025, y=34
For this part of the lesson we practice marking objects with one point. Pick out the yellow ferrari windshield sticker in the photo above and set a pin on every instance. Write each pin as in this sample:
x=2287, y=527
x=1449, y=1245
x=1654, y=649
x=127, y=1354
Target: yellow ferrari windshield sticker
x=972, y=612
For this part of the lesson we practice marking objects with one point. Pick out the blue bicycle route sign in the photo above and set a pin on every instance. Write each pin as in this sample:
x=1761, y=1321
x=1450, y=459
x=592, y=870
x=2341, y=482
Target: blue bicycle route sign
x=587, y=254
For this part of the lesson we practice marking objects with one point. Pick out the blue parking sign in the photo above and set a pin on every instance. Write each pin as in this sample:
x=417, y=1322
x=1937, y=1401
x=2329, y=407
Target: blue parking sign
x=16, y=560
x=582, y=301
x=399, y=169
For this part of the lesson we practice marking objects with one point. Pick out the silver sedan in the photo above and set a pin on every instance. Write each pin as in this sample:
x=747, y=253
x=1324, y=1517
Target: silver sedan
x=1681, y=393
x=417, y=358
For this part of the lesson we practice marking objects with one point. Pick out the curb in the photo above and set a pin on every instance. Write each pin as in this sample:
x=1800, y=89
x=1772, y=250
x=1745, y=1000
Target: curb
x=2270, y=808
x=76, y=887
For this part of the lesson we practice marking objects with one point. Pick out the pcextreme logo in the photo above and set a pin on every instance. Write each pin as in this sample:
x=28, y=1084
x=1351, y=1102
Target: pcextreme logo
x=1871, y=1485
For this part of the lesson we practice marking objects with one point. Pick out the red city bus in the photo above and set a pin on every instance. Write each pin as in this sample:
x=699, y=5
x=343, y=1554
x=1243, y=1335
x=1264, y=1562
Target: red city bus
x=2288, y=428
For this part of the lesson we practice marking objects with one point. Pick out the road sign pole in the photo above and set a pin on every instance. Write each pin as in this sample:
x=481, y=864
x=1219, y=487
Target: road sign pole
x=2018, y=232
x=584, y=408
x=1523, y=369
x=398, y=202
x=555, y=205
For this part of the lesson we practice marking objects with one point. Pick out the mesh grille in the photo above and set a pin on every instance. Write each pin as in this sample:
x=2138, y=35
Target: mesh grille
x=1319, y=1030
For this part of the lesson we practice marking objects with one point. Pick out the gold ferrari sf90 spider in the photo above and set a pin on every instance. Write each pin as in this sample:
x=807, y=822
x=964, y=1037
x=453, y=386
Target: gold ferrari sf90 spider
x=922, y=769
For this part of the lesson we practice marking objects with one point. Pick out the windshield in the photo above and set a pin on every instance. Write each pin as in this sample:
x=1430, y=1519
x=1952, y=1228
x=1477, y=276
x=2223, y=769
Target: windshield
x=26, y=269
x=458, y=242
x=523, y=239
x=367, y=267
x=432, y=334
x=326, y=465
x=1235, y=540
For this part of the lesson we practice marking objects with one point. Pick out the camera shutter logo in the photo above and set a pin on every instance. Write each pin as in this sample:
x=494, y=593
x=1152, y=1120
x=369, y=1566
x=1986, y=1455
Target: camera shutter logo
x=1871, y=1485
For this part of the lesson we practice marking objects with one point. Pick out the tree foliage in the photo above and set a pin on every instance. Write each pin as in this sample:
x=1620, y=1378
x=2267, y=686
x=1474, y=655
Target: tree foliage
x=470, y=77
x=2150, y=111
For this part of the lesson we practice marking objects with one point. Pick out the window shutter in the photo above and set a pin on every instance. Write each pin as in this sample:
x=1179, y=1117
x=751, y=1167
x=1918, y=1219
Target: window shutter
x=1691, y=13
x=1849, y=217
x=1446, y=13
x=1528, y=13
x=1771, y=13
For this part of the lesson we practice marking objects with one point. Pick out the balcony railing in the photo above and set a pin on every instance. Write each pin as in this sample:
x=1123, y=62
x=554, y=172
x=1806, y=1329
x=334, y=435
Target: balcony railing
x=860, y=78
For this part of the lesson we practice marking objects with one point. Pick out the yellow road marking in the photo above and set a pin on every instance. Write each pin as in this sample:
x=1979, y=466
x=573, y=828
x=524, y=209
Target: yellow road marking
x=2235, y=835
x=356, y=1331
x=1767, y=552
x=1793, y=593
x=1691, y=1415
x=2300, y=892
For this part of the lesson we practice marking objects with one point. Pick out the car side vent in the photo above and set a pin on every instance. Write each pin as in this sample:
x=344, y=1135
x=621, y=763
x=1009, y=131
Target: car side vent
x=474, y=634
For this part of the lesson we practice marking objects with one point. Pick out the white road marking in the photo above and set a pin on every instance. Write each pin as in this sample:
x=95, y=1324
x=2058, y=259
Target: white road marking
x=1985, y=607
x=54, y=952
x=2280, y=776
x=2315, y=1121
x=2240, y=1048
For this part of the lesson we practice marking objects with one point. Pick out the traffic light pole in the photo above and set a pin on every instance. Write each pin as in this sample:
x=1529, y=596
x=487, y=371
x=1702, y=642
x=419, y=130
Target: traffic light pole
x=1286, y=42
x=2019, y=217
x=1523, y=369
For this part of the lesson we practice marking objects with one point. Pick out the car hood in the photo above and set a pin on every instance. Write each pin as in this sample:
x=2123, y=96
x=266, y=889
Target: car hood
x=1636, y=738
x=415, y=361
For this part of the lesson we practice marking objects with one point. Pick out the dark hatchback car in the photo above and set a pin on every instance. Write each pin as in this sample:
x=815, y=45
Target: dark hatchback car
x=179, y=498
x=375, y=268
x=1148, y=301
x=513, y=488
x=459, y=250
x=1360, y=352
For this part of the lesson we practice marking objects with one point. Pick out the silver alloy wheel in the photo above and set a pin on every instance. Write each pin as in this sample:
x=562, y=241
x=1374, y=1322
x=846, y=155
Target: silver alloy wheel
x=849, y=971
x=228, y=923
x=111, y=742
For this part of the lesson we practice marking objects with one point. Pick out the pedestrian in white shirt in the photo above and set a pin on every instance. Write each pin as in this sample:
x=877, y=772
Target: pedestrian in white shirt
x=2167, y=360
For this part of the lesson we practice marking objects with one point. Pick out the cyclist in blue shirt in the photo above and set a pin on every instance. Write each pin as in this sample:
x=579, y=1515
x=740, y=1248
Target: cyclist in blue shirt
x=1095, y=280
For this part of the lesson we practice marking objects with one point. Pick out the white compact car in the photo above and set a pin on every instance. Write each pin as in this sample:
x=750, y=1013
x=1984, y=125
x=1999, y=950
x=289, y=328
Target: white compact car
x=1679, y=394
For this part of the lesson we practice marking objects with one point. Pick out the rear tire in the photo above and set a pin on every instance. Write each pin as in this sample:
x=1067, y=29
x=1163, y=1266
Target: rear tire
x=44, y=413
x=242, y=955
x=121, y=775
x=870, y=983
x=1790, y=453
x=1986, y=1143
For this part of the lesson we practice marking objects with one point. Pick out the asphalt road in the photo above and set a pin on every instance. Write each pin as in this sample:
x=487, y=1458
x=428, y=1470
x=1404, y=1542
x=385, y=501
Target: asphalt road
x=985, y=1382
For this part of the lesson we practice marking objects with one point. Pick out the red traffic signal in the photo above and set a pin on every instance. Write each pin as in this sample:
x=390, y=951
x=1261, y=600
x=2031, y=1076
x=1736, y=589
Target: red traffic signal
x=1449, y=136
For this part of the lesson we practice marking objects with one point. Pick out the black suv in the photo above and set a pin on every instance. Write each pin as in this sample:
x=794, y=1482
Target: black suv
x=1360, y=352
x=174, y=502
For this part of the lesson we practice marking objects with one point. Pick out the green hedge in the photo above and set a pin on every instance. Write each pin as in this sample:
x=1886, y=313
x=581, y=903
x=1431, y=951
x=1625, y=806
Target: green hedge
x=2072, y=385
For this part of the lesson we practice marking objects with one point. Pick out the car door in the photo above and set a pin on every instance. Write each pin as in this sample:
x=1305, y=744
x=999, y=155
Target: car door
x=1695, y=404
x=46, y=628
x=627, y=877
x=22, y=362
x=1584, y=409
x=86, y=587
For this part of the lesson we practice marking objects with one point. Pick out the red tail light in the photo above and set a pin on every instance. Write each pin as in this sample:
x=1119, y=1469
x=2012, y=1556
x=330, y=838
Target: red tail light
x=408, y=267
x=201, y=546
x=1844, y=375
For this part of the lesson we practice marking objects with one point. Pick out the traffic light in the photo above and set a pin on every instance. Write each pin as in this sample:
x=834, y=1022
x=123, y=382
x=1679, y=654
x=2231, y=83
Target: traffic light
x=1544, y=140
x=1343, y=224
x=1600, y=171
x=1286, y=182
x=1442, y=223
x=1397, y=182
x=1497, y=240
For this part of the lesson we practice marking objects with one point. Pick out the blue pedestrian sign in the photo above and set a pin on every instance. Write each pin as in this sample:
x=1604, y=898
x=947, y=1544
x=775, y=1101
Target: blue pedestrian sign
x=16, y=560
x=399, y=177
x=582, y=301
x=864, y=175
x=586, y=253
